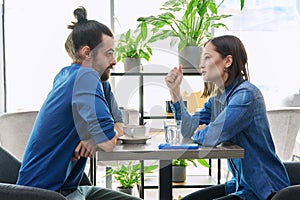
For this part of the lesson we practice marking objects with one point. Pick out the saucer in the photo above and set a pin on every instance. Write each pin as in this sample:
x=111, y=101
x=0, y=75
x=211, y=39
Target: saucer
x=134, y=140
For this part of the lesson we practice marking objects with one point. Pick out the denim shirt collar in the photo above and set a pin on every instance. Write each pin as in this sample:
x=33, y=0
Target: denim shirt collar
x=222, y=97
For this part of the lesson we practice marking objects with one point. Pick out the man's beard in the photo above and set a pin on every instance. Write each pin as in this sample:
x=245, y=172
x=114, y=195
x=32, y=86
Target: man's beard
x=106, y=74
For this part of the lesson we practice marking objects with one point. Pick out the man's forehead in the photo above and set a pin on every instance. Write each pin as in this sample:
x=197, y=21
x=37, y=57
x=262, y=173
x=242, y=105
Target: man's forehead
x=107, y=40
x=106, y=44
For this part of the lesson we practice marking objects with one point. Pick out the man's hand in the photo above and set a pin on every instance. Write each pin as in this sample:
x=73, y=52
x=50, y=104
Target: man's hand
x=108, y=145
x=82, y=151
x=87, y=148
x=119, y=129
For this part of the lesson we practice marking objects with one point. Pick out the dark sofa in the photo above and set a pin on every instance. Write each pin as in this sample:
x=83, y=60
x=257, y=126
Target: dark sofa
x=9, y=168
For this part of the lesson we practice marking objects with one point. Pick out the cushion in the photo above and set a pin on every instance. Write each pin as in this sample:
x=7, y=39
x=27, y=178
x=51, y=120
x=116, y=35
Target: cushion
x=9, y=167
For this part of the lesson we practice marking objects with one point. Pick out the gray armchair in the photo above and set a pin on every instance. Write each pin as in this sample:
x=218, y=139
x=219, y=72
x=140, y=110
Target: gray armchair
x=284, y=125
x=292, y=192
x=9, y=169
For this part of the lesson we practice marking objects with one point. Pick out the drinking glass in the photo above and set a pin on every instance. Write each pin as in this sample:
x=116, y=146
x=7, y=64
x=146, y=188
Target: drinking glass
x=172, y=130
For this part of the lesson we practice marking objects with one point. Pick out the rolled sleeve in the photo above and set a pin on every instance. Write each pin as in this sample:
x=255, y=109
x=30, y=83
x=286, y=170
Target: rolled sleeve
x=189, y=122
x=176, y=109
x=91, y=113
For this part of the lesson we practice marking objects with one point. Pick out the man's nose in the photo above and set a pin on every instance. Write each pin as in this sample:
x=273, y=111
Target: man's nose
x=114, y=62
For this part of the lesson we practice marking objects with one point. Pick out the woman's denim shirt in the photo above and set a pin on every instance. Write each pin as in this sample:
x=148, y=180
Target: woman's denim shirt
x=239, y=116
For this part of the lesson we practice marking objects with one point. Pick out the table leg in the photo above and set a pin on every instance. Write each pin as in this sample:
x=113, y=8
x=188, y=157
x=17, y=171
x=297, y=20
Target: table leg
x=165, y=180
x=219, y=171
x=93, y=167
x=108, y=179
x=141, y=188
x=91, y=170
x=95, y=170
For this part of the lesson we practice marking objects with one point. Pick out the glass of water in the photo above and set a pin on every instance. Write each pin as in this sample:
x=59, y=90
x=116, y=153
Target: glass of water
x=172, y=130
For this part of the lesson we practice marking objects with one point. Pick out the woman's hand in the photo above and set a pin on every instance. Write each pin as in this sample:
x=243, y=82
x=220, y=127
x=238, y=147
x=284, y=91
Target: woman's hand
x=200, y=127
x=173, y=81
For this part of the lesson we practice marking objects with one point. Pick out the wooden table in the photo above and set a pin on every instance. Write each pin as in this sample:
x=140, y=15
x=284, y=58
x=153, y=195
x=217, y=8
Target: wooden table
x=150, y=151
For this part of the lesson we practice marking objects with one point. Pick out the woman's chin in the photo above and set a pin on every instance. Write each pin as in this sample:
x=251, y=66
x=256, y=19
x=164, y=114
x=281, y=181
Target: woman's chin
x=205, y=79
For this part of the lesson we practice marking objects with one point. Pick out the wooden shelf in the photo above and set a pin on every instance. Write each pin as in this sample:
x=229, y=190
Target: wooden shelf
x=192, y=181
x=151, y=73
x=159, y=116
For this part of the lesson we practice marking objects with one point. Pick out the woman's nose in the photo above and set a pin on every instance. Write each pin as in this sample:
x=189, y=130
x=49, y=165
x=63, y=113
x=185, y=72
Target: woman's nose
x=201, y=66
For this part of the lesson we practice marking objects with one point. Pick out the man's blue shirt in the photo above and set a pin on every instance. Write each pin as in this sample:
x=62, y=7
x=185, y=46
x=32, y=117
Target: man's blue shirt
x=75, y=109
x=239, y=116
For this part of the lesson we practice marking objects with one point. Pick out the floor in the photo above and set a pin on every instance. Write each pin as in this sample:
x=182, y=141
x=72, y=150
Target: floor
x=152, y=194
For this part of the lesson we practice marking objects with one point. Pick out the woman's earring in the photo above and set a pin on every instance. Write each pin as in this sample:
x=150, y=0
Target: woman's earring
x=226, y=69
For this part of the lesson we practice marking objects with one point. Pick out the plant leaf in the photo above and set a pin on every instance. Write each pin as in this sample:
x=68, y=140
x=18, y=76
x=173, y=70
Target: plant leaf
x=203, y=162
x=193, y=162
x=212, y=7
x=144, y=30
x=127, y=36
x=218, y=25
x=179, y=162
x=202, y=8
x=150, y=169
x=182, y=44
x=149, y=49
x=242, y=4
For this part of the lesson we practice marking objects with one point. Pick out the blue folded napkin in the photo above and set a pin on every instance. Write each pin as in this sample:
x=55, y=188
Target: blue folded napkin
x=178, y=146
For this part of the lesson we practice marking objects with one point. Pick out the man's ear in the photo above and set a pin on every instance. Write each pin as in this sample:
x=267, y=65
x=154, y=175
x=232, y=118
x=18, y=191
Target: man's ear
x=84, y=52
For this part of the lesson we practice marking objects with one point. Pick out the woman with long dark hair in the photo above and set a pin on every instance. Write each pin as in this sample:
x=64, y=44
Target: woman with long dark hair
x=235, y=113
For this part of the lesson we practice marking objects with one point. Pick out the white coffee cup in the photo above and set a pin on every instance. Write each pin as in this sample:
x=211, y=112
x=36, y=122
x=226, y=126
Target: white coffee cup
x=135, y=130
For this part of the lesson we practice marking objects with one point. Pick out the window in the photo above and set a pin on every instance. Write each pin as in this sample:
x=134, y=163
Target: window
x=35, y=44
x=35, y=35
x=270, y=31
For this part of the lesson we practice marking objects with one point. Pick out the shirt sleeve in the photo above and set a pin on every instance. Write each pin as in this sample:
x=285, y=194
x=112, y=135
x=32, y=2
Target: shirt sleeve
x=91, y=113
x=235, y=117
x=112, y=103
x=190, y=122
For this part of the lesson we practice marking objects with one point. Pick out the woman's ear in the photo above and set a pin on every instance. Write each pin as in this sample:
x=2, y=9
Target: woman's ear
x=84, y=52
x=228, y=61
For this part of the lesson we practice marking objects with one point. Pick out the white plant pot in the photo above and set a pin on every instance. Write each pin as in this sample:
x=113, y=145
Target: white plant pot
x=126, y=191
x=178, y=174
x=132, y=64
x=190, y=57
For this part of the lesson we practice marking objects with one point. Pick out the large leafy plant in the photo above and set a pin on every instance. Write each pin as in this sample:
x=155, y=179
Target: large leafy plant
x=134, y=44
x=130, y=174
x=193, y=27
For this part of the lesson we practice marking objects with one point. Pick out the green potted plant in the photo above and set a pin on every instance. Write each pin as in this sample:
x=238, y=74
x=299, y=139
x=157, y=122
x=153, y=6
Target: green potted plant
x=133, y=46
x=129, y=175
x=189, y=31
x=179, y=168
